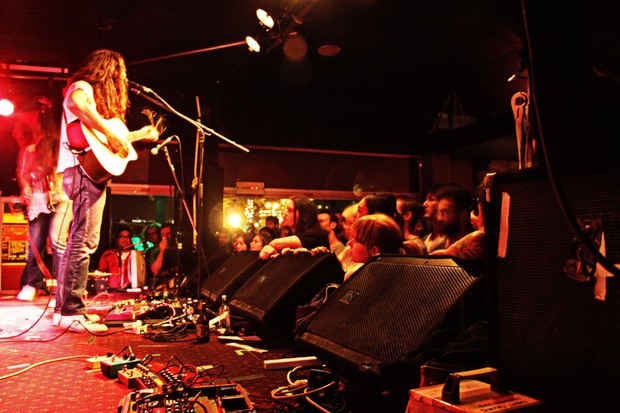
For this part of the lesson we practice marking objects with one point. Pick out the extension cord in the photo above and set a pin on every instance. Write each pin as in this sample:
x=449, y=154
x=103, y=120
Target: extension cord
x=291, y=362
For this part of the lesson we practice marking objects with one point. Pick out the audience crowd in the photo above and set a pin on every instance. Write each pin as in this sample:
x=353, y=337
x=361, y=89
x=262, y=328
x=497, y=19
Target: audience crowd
x=448, y=222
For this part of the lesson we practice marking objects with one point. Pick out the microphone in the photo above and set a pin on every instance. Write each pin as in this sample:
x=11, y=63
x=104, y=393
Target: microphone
x=155, y=150
x=137, y=88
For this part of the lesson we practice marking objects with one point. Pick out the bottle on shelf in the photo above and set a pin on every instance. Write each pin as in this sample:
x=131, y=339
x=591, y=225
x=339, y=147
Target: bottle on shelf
x=202, y=325
x=224, y=314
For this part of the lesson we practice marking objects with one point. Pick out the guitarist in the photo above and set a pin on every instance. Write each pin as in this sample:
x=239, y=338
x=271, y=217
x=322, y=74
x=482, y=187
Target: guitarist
x=46, y=206
x=96, y=93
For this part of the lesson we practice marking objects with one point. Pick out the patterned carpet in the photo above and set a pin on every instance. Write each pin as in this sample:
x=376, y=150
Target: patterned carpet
x=45, y=369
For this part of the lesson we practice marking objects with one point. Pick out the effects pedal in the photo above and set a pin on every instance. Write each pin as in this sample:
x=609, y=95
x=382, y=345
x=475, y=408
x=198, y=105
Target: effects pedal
x=94, y=363
x=111, y=367
x=148, y=379
x=130, y=378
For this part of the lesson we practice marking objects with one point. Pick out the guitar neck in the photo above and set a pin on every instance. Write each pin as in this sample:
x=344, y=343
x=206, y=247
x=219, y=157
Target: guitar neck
x=135, y=136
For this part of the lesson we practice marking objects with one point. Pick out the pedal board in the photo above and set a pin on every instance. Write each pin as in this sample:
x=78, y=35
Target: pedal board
x=125, y=311
x=229, y=398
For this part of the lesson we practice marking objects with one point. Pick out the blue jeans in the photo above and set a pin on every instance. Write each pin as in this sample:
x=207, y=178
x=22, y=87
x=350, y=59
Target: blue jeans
x=88, y=202
x=37, y=241
x=54, y=225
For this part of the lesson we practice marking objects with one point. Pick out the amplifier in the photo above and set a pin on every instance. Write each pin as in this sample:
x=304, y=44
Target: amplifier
x=14, y=242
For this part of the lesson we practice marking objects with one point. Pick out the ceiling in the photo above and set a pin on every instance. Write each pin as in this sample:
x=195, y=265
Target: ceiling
x=401, y=64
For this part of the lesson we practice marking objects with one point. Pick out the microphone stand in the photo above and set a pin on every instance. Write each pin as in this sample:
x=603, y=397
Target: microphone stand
x=199, y=200
x=206, y=130
x=121, y=277
x=178, y=236
x=201, y=131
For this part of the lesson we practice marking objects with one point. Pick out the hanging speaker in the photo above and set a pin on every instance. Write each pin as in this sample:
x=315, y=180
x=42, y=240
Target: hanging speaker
x=555, y=326
x=270, y=297
x=385, y=310
x=231, y=275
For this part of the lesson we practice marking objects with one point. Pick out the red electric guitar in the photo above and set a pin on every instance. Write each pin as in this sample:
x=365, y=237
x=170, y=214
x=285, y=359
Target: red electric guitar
x=99, y=162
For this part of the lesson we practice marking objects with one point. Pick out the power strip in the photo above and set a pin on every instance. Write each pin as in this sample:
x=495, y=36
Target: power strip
x=286, y=363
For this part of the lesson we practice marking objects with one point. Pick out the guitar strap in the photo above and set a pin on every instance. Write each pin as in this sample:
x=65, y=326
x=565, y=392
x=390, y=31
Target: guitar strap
x=75, y=151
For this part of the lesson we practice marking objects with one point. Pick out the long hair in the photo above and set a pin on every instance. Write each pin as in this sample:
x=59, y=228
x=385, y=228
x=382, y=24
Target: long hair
x=36, y=131
x=378, y=230
x=307, y=214
x=105, y=71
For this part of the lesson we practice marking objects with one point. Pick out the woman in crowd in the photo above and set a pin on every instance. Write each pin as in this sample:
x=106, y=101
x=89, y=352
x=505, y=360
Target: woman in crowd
x=259, y=241
x=301, y=216
x=372, y=235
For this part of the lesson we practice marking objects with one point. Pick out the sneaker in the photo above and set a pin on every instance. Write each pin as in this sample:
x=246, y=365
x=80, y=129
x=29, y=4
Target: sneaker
x=94, y=318
x=52, y=303
x=27, y=293
x=79, y=323
x=56, y=319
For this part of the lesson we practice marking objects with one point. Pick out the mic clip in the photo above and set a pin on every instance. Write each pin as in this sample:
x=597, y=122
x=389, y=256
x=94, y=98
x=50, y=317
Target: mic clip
x=138, y=88
x=155, y=150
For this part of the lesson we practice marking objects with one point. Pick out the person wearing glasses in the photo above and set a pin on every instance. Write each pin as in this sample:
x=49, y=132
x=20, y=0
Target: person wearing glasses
x=116, y=260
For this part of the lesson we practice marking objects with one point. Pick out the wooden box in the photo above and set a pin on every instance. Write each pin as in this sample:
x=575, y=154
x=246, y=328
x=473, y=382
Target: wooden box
x=462, y=394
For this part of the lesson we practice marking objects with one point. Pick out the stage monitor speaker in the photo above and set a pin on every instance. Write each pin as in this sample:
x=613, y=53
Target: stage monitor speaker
x=385, y=310
x=231, y=275
x=269, y=299
x=551, y=338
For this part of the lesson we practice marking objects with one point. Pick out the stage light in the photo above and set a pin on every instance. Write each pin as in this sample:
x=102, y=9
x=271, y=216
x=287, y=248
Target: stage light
x=7, y=107
x=268, y=34
x=265, y=19
x=253, y=44
x=279, y=28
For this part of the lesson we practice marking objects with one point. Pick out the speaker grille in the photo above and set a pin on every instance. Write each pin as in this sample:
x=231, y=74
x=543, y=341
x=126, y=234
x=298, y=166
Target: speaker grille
x=554, y=340
x=231, y=275
x=271, y=296
x=386, y=309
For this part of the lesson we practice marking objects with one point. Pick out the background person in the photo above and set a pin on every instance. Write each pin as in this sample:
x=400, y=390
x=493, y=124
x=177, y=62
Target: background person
x=121, y=261
x=163, y=260
x=47, y=207
x=301, y=217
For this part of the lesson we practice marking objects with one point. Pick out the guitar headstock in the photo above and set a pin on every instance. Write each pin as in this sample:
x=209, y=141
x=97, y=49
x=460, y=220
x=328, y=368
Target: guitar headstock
x=156, y=120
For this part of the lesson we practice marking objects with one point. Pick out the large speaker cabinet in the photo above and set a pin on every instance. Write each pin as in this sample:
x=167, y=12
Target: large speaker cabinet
x=386, y=310
x=552, y=339
x=231, y=275
x=269, y=299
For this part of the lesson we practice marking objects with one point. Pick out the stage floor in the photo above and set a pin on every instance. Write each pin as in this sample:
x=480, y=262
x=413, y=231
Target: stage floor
x=45, y=369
